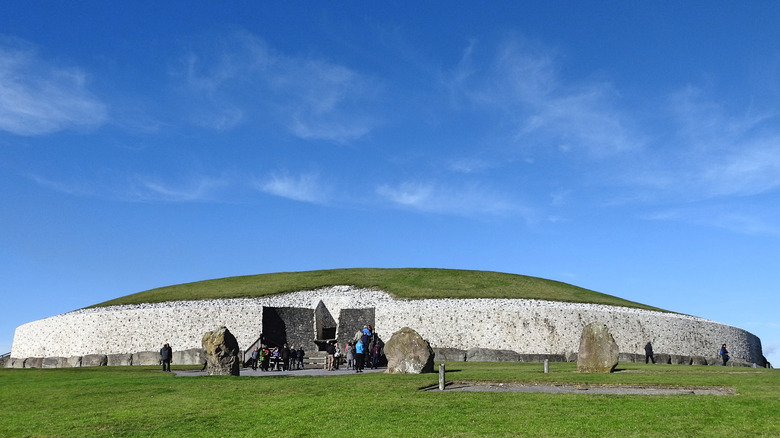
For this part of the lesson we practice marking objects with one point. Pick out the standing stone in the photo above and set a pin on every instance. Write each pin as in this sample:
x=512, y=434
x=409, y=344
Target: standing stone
x=408, y=353
x=221, y=349
x=598, y=350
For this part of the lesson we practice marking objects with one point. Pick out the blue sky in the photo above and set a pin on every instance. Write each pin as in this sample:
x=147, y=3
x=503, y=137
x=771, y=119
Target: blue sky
x=631, y=148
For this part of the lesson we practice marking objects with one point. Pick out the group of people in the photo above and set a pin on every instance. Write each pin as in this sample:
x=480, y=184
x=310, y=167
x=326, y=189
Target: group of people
x=280, y=359
x=364, y=351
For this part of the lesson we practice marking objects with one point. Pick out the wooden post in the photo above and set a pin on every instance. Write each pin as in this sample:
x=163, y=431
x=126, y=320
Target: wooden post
x=546, y=366
x=441, y=377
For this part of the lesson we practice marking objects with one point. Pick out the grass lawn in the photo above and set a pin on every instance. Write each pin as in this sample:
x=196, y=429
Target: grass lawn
x=143, y=401
x=413, y=283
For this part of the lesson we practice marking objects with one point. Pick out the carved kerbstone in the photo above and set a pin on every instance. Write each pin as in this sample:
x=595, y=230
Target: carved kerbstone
x=598, y=350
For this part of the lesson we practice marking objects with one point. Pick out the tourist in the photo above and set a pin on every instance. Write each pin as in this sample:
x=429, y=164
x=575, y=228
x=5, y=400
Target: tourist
x=299, y=355
x=331, y=350
x=649, y=353
x=285, y=358
x=275, y=357
x=254, y=358
x=265, y=357
x=348, y=350
x=366, y=339
x=337, y=356
x=375, y=355
x=359, y=356
x=166, y=355
x=724, y=354
x=262, y=355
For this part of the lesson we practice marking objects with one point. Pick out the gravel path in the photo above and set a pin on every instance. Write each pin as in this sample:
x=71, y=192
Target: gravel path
x=312, y=371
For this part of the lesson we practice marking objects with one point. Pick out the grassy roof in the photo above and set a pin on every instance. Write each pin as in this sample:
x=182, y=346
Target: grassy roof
x=411, y=283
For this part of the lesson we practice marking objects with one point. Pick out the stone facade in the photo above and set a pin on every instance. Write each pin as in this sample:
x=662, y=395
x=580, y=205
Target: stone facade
x=531, y=328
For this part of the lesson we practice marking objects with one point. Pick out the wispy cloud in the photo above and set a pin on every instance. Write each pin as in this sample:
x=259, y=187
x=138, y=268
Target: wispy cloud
x=149, y=188
x=139, y=188
x=465, y=200
x=39, y=97
x=68, y=188
x=247, y=80
x=303, y=187
x=521, y=80
x=735, y=218
x=724, y=154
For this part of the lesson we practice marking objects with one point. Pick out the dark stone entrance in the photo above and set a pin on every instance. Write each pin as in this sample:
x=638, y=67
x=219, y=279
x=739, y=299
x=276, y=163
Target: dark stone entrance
x=291, y=325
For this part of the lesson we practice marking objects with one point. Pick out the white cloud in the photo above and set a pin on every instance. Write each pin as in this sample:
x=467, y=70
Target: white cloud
x=39, y=97
x=522, y=83
x=303, y=187
x=468, y=165
x=738, y=218
x=466, y=200
x=194, y=189
x=709, y=153
x=246, y=80
x=71, y=188
x=139, y=188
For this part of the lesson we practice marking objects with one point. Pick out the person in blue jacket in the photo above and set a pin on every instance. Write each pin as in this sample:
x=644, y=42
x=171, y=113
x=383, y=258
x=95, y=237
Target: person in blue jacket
x=359, y=356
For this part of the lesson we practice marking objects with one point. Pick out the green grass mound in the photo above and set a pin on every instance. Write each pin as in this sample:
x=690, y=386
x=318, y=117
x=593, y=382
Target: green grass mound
x=411, y=283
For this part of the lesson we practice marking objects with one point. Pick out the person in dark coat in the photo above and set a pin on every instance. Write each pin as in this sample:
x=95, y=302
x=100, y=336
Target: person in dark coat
x=265, y=358
x=166, y=354
x=331, y=350
x=365, y=338
x=299, y=355
x=649, y=353
x=724, y=354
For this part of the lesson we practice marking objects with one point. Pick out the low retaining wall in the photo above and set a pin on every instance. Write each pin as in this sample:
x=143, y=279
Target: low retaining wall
x=523, y=329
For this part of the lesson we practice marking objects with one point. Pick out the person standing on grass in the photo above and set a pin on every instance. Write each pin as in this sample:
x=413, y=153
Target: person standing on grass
x=166, y=354
x=649, y=353
x=724, y=354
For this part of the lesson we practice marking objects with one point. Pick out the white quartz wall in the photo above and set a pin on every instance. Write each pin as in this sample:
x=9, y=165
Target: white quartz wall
x=524, y=326
x=544, y=327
